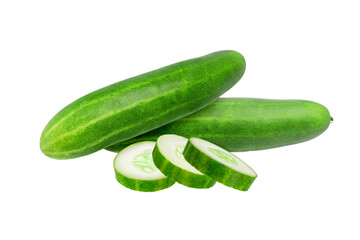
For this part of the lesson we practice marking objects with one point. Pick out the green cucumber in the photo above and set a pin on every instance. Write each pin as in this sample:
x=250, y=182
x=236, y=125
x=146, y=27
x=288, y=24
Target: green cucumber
x=245, y=124
x=135, y=169
x=168, y=158
x=139, y=104
x=219, y=164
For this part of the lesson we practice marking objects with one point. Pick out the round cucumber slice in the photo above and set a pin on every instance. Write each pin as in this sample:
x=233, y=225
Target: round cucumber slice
x=168, y=158
x=135, y=169
x=219, y=164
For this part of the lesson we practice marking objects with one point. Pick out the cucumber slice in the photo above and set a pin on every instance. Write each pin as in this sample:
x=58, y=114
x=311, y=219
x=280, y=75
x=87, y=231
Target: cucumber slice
x=168, y=158
x=135, y=169
x=219, y=164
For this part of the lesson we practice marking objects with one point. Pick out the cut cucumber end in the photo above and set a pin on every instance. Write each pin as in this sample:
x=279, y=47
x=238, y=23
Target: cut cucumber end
x=219, y=164
x=135, y=169
x=168, y=157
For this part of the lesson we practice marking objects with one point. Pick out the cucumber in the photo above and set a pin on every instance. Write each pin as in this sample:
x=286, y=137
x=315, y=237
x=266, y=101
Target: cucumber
x=139, y=104
x=168, y=158
x=245, y=124
x=219, y=164
x=135, y=169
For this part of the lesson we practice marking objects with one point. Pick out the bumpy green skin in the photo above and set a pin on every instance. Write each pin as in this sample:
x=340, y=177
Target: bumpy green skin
x=178, y=174
x=246, y=124
x=137, y=105
x=143, y=185
x=216, y=170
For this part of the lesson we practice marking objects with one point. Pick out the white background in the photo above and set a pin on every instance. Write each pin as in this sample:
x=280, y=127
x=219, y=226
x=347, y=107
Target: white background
x=52, y=52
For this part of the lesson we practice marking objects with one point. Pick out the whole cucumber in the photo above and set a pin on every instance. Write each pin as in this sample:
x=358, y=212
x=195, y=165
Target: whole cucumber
x=139, y=104
x=244, y=124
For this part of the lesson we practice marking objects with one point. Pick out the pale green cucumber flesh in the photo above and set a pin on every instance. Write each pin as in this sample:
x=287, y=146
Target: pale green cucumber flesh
x=117, y=112
x=135, y=169
x=168, y=158
x=219, y=164
x=246, y=124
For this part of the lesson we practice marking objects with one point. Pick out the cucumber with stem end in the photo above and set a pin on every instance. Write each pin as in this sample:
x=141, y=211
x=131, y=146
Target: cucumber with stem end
x=219, y=164
x=140, y=104
x=168, y=158
x=246, y=124
x=135, y=169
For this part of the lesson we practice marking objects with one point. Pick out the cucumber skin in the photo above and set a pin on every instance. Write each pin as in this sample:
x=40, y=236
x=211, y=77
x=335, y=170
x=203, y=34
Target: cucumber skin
x=216, y=170
x=137, y=105
x=180, y=175
x=143, y=185
x=247, y=124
